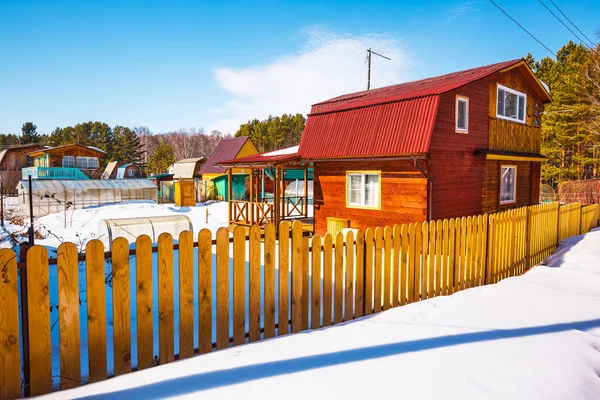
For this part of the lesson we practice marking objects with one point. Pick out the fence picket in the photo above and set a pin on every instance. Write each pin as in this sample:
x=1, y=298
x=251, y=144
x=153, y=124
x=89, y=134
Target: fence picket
x=284, y=271
x=96, y=310
x=368, y=267
x=411, y=293
x=431, y=260
x=121, y=306
x=10, y=355
x=305, y=284
x=205, y=303
x=359, y=303
x=68, y=315
x=387, y=267
x=166, y=300
x=424, y=260
x=377, y=279
x=186, y=294
x=397, y=243
x=38, y=299
x=269, y=281
x=316, y=283
x=239, y=285
x=349, y=286
x=222, y=272
x=254, y=284
x=402, y=265
x=143, y=295
x=338, y=304
x=327, y=278
x=297, y=276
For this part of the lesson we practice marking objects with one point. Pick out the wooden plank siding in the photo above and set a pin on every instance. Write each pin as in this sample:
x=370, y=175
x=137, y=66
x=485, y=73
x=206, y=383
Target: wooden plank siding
x=453, y=165
x=403, y=194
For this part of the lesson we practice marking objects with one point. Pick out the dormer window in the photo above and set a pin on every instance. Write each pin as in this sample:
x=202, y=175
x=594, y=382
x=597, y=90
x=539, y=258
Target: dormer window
x=462, y=114
x=511, y=104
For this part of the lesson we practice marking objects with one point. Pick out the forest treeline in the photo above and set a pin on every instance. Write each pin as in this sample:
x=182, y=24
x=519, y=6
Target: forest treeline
x=571, y=123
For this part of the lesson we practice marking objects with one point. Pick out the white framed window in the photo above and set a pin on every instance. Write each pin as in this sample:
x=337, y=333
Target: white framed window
x=87, y=162
x=131, y=173
x=462, y=114
x=511, y=104
x=508, y=184
x=363, y=189
x=68, y=161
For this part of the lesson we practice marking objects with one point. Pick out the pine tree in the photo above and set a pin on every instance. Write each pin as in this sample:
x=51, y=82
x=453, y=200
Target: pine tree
x=162, y=159
x=127, y=145
x=29, y=134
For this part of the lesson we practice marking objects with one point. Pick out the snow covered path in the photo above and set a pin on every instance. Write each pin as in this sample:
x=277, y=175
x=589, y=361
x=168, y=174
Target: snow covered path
x=534, y=336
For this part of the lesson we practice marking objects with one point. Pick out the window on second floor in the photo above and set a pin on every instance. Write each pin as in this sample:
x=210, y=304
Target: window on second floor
x=68, y=161
x=131, y=173
x=87, y=162
x=462, y=114
x=511, y=104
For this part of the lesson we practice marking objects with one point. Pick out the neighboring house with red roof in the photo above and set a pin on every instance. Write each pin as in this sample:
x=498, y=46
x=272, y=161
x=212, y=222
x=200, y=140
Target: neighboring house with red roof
x=459, y=144
x=215, y=177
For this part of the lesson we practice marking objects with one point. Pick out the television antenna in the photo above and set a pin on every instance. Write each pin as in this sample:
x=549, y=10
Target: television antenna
x=369, y=52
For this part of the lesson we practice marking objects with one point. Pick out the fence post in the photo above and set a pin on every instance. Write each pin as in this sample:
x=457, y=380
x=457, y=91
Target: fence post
x=364, y=277
x=23, y=248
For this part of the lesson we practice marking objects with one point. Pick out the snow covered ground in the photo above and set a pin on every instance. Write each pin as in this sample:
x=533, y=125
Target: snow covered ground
x=82, y=225
x=536, y=336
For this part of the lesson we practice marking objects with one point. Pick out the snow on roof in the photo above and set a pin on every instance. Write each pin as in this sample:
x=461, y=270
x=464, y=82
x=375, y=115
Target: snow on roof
x=281, y=152
x=188, y=168
x=57, y=185
x=533, y=336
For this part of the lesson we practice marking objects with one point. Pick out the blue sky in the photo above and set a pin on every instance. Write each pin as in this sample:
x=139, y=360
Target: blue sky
x=214, y=65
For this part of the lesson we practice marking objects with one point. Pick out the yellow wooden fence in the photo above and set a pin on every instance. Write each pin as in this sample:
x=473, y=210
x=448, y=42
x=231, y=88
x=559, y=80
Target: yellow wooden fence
x=333, y=279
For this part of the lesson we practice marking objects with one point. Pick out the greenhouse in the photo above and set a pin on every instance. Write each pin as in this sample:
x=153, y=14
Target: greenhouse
x=132, y=228
x=50, y=196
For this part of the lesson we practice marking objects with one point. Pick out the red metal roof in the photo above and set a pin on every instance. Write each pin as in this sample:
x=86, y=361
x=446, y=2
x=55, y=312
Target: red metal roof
x=226, y=149
x=393, y=120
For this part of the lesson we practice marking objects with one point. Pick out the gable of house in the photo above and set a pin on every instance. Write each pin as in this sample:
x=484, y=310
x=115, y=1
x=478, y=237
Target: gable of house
x=390, y=121
x=227, y=149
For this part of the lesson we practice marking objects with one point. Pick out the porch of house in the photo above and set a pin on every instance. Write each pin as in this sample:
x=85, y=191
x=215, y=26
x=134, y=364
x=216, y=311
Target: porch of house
x=268, y=201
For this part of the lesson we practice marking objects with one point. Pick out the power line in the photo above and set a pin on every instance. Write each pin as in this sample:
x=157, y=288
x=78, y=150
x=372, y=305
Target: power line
x=521, y=26
x=565, y=25
x=579, y=30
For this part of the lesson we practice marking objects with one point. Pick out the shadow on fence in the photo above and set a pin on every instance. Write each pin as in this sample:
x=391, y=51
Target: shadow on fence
x=259, y=281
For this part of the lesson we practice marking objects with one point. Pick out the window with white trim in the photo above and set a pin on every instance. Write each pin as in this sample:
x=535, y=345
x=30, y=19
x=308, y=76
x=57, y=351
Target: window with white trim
x=462, y=114
x=508, y=184
x=511, y=104
x=87, y=162
x=131, y=173
x=68, y=161
x=363, y=189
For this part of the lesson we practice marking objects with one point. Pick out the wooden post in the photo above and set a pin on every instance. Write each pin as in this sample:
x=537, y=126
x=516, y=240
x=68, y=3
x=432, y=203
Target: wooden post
x=229, y=194
x=2, y=203
x=251, y=205
x=276, y=207
x=306, y=192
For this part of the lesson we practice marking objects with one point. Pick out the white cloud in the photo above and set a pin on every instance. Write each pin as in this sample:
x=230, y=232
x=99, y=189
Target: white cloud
x=329, y=65
x=463, y=9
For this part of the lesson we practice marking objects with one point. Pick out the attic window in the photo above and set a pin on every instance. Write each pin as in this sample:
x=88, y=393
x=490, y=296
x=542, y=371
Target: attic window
x=511, y=104
x=462, y=114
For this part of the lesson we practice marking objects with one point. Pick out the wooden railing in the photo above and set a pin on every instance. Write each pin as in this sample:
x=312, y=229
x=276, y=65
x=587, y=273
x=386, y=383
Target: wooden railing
x=240, y=212
x=54, y=173
x=514, y=137
x=294, y=206
x=320, y=280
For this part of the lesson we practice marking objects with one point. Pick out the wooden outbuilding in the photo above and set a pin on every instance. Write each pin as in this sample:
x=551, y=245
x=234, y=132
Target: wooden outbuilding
x=455, y=145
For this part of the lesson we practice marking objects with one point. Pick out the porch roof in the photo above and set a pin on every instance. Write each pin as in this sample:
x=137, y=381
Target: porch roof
x=266, y=159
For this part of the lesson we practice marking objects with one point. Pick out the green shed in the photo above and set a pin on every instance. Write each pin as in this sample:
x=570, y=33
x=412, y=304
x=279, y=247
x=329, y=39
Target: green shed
x=237, y=186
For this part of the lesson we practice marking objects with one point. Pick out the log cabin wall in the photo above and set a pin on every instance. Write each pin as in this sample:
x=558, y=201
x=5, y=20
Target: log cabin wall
x=403, y=194
x=456, y=170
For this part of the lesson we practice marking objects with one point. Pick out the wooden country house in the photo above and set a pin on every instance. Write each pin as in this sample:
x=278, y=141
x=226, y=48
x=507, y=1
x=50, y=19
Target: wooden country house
x=121, y=170
x=215, y=177
x=12, y=160
x=455, y=145
x=69, y=161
